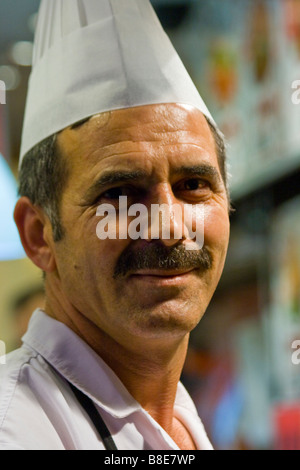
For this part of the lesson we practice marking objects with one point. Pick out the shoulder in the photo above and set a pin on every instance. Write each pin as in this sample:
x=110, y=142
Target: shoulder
x=24, y=379
x=10, y=373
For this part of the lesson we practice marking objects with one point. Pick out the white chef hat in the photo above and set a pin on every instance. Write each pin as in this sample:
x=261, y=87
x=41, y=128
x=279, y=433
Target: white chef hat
x=92, y=56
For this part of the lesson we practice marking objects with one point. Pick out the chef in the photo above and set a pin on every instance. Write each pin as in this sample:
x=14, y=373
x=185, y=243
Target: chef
x=111, y=112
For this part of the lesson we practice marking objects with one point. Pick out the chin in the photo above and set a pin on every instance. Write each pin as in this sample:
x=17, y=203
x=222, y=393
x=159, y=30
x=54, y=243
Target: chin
x=170, y=319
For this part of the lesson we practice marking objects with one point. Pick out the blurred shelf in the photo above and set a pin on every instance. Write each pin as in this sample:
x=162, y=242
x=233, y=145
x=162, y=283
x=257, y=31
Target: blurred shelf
x=255, y=202
x=271, y=178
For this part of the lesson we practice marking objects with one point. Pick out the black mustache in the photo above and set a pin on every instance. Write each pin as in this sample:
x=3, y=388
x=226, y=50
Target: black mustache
x=158, y=256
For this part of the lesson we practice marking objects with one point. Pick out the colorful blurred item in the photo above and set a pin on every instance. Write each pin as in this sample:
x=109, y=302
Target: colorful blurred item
x=217, y=395
x=293, y=268
x=286, y=418
x=223, y=71
x=292, y=19
x=260, y=41
x=10, y=244
x=285, y=300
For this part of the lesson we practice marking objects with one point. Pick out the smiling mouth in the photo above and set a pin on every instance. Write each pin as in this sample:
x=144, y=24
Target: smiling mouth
x=162, y=273
x=163, y=278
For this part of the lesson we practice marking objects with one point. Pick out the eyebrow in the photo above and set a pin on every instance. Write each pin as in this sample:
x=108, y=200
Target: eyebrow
x=200, y=170
x=114, y=177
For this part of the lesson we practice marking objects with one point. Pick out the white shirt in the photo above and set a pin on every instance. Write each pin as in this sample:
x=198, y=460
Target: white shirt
x=38, y=410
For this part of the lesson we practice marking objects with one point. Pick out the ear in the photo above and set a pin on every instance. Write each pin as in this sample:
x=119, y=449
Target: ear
x=34, y=226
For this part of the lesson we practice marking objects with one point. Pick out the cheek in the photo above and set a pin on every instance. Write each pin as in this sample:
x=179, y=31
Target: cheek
x=100, y=258
x=217, y=229
x=86, y=253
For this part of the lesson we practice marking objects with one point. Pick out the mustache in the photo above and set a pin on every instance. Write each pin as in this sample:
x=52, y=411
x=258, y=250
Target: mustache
x=158, y=256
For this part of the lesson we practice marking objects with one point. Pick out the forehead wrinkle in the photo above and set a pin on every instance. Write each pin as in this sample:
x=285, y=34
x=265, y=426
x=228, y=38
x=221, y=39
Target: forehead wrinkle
x=126, y=128
x=139, y=134
x=148, y=147
x=146, y=162
x=148, y=138
x=143, y=123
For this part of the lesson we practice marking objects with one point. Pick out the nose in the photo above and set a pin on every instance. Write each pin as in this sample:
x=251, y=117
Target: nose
x=165, y=216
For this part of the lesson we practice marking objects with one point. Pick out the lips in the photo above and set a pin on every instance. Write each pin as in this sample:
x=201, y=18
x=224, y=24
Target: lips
x=162, y=273
x=162, y=278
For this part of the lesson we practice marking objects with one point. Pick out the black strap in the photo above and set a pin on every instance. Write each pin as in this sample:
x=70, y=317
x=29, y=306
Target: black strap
x=96, y=418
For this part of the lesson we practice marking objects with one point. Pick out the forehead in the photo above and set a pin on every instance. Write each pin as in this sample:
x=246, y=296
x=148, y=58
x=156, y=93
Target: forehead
x=138, y=136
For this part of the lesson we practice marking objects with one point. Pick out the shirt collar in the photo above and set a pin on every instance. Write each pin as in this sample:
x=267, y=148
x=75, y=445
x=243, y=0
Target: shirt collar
x=77, y=362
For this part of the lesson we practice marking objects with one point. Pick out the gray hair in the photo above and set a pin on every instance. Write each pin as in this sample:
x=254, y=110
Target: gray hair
x=42, y=177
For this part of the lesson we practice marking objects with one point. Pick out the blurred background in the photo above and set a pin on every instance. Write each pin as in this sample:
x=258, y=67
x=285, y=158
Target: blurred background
x=244, y=56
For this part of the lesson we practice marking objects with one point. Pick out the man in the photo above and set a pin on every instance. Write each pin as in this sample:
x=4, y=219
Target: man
x=111, y=342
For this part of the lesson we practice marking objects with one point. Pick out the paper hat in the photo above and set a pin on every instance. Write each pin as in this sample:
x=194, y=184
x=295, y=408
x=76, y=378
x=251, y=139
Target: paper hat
x=92, y=56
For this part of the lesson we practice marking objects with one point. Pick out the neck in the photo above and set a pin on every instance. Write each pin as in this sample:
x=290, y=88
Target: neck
x=150, y=368
x=150, y=371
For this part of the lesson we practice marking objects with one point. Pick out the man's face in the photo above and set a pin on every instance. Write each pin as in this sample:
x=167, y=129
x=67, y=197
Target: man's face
x=160, y=154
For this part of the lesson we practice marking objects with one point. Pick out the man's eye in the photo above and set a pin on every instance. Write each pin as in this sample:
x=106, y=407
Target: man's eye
x=194, y=184
x=114, y=193
x=193, y=189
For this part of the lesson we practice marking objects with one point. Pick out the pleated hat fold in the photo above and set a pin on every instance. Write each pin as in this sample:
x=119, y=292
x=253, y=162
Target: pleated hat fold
x=92, y=56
